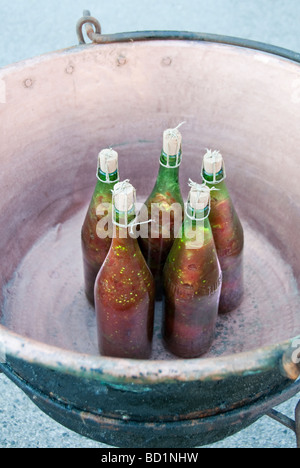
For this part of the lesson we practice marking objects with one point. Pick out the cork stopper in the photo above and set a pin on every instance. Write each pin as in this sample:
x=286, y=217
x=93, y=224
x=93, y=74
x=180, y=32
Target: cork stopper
x=199, y=197
x=124, y=196
x=172, y=141
x=108, y=161
x=213, y=162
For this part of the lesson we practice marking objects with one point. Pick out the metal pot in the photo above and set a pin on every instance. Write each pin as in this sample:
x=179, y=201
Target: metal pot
x=57, y=111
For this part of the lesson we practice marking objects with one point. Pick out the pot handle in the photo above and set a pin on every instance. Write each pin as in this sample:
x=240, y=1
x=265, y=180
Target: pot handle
x=92, y=26
x=291, y=360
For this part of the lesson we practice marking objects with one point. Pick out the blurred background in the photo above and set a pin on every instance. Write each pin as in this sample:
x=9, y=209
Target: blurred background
x=33, y=27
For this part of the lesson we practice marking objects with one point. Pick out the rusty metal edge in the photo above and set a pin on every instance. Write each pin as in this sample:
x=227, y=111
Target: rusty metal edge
x=80, y=421
x=140, y=36
x=94, y=33
x=173, y=36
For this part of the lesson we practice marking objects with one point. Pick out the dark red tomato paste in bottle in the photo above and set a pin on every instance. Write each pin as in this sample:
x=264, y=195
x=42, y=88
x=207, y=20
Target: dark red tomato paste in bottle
x=227, y=231
x=192, y=282
x=124, y=289
x=95, y=240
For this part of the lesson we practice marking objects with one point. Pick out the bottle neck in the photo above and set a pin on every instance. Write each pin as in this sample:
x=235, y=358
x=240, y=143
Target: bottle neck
x=170, y=161
x=196, y=234
x=106, y=183
x=220, y=192
x=122, y=221
x=212, y=179
x=197, y=216
x=108, y=178
x=169, y=169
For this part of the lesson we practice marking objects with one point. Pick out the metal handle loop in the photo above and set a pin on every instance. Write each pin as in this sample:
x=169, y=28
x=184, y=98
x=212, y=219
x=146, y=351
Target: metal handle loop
x=92, y=26
x=290, y=363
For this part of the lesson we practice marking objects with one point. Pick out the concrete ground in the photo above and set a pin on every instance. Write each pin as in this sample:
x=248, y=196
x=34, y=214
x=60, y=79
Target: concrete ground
x=33, y=27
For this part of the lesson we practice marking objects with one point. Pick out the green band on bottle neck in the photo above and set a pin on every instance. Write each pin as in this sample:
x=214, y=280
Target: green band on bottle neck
x=171, y=162
x=197, y=215
x=123, y=218
x=210, y=178
x=108, y=178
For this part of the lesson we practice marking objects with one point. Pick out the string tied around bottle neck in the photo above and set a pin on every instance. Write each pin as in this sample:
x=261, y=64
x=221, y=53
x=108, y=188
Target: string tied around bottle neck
x=198, y=186
x=122, y=186
x=199, y=195
x=213, y=165
x=124, y=201
x=108, y=164
x=132, y=224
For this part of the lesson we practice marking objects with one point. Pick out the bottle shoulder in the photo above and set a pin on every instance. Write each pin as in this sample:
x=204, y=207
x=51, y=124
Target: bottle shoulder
x=194, y=266
x=200, y=230
x=165, y=194
x=103, y=189
x=227, y=227
x=125, y=254
x=124, y=272
x=193, y=240
x=219, y=191
x=167, y=184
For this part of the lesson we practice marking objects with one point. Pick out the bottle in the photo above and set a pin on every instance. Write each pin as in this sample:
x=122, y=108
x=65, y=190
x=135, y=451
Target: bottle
x=96, y=243
x=166, y=207
x=124, y=288
x=227, y=231
x=192, y=282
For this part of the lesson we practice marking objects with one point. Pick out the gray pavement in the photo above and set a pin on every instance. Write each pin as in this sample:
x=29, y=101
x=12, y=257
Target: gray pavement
x=33, y=27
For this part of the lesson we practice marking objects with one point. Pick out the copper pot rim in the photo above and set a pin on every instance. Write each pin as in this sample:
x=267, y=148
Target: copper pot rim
x=165, y=36
x=146, y=371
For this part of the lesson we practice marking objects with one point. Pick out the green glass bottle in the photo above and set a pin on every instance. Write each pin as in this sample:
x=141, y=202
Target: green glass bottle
x=94, y=240
x=165, y=207
x=192, y=282
x=227, y=231
x=124, y=288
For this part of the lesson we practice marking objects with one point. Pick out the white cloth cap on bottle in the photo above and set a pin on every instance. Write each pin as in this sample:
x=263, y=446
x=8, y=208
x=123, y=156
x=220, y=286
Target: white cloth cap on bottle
x=172, y=142
x=108, y=161
x=199, y=197
x=124, y=196
x=213, y=162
